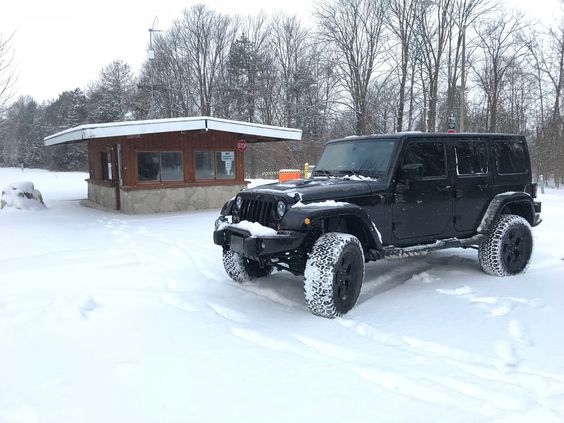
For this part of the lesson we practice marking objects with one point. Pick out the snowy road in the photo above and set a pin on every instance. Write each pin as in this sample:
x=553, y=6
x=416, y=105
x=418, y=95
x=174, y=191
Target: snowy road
x=107, y=317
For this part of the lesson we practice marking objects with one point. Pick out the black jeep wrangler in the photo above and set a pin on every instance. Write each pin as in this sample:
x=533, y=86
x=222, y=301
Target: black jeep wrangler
x=373, y=197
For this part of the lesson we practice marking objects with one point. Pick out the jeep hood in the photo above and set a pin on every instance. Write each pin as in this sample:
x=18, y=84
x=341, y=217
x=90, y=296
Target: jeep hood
x=320, y=189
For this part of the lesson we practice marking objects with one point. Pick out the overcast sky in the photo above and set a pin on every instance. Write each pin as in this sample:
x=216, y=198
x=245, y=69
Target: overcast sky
x=60, y=45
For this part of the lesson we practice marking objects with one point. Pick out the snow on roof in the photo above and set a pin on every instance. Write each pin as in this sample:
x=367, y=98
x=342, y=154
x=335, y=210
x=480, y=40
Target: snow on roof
x=140, y=127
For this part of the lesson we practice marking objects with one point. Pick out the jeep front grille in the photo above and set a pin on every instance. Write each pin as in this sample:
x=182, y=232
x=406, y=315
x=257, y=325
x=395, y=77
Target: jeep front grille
x=260, y=211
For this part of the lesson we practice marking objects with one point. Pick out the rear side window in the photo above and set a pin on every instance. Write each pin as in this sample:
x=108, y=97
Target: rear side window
x=430, y=154
x=471, y=158
x=510, y=156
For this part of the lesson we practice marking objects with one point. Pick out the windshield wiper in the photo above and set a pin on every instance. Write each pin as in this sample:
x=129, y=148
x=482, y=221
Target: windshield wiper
x=325, y=173
x=348, y=173
x=362, y=174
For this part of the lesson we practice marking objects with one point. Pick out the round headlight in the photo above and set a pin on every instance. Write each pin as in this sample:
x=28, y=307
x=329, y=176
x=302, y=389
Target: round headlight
x=281, y=208
x=238, y=202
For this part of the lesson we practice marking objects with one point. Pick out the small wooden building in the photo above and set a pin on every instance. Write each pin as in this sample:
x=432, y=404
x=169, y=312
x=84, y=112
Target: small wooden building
x=167, y=165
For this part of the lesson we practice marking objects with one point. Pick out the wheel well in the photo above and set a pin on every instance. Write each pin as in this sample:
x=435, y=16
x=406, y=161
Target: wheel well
x=352, y=225
x=521, y=208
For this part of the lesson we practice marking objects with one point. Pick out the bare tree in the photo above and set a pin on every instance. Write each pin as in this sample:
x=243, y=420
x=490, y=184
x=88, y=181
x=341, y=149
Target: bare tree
x=402, y=23
x=433, y=31
x=354, y=28
x=500, y=48
x=205, y=37
x=7, y=72
x=464, y=14
x=289, y=45
x=548, y=65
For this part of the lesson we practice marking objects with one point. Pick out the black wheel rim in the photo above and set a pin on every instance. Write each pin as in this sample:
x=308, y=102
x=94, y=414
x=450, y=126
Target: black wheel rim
x=516, y=249
x=348, y=275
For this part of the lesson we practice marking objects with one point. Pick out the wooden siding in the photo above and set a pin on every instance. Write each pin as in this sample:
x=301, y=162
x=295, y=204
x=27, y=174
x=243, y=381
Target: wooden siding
x=188, y=143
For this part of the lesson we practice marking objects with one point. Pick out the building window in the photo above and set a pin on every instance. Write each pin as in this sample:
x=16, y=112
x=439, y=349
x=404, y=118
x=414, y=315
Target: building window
x=215, y=165
x=106, y=160
x=159, y=166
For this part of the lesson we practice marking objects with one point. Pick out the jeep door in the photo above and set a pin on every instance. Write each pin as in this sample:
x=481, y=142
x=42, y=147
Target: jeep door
x=473, y=180
x=423, y=205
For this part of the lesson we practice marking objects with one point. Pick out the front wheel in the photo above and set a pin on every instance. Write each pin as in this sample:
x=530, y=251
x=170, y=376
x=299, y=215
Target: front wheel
x=242, y=269
x=508, y=248
x=333, y=275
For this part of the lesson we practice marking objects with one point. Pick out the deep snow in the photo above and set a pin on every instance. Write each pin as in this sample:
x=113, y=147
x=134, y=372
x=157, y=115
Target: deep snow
x=106, y=317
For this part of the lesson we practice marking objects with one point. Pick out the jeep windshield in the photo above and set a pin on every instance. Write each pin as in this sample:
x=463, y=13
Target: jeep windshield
x=365, y=157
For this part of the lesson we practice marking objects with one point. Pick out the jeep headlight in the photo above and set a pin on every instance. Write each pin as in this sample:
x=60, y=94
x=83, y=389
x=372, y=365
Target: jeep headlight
x=281, y=209
x=238, y=202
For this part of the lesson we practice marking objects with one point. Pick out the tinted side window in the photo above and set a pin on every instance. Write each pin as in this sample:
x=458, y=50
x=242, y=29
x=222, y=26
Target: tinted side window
x=430, y=154
x=471, y=158
x=510, y=156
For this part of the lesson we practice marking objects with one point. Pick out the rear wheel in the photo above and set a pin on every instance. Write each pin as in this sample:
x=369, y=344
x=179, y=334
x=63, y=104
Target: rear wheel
x=333, y=275
x=242, y=269
x=508, y=248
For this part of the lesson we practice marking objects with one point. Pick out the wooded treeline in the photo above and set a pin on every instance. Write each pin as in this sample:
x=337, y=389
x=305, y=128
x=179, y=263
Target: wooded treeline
x=360, y=67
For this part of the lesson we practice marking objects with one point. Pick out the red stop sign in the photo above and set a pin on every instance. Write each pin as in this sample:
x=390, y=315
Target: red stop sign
x=242, y=146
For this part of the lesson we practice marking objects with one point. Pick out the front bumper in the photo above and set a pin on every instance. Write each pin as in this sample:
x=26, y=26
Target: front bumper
x=243, y=242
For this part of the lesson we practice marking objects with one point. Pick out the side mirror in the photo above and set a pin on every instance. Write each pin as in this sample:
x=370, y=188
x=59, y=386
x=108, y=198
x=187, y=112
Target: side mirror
x=412, y=171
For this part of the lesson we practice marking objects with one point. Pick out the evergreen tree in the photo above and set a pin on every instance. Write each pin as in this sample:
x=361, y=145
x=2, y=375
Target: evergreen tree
x=111, y=96
x=69, y=110
x=25, y=129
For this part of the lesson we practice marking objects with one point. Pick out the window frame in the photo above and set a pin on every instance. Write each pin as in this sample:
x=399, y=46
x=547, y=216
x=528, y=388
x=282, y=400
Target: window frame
x=509, y=141
x=160, y=180
x=476, y=142
x=427, y=141
x=214, y=152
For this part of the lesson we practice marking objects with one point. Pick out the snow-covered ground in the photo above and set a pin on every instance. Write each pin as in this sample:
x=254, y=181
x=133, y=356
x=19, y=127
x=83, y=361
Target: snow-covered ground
x=106, y=317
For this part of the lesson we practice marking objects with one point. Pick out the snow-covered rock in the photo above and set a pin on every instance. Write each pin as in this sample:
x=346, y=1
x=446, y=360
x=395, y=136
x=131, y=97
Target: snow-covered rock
x=22, y=196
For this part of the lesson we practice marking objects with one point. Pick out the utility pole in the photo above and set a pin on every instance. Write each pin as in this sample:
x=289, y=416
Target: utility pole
x=151, y=55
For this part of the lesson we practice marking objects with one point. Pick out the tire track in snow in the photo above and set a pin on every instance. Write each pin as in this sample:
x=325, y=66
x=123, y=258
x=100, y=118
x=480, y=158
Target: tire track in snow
x=493, y=384
x=496, y=306
x=381, y=277
x=229, y=313
x=259, y=338
x=174, y=301
x=329, y=349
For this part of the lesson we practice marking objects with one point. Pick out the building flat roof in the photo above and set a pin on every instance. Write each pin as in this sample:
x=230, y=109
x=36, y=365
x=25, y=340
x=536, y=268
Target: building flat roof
x=140, y=127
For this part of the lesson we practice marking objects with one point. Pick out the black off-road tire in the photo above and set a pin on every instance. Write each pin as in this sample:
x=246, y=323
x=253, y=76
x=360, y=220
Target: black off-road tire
x=508, y=248
x=242, y=269
x=334, y=274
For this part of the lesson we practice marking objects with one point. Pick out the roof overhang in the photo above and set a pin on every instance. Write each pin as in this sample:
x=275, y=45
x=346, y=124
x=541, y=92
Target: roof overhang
x=255, y=131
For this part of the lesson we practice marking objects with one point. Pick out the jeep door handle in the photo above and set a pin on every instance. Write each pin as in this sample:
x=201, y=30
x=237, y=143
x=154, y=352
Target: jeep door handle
x=444, y=188
x=482, y=187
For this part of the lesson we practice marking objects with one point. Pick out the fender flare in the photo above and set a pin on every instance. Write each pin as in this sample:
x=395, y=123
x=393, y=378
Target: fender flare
x=520, y=199
x=296, y=216
x=227, y=208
